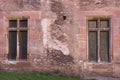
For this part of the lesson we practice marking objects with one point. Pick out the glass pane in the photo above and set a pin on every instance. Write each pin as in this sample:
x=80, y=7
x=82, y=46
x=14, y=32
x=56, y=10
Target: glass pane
x=92, y=23
x=12, y=23
x=104, y=23
x=23, y=23
x=104, y=46
x=23, y=44
x=93, y=46
x=12, y=44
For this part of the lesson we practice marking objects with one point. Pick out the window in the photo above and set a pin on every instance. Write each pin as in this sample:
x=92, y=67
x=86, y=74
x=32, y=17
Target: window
x=18, y=39
x=99, y=39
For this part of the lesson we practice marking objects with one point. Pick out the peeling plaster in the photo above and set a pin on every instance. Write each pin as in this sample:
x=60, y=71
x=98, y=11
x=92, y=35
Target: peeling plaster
x=50, y=43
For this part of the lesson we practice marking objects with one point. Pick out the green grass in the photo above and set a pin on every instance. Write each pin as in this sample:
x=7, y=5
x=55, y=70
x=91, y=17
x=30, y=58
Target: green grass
x=33, y=76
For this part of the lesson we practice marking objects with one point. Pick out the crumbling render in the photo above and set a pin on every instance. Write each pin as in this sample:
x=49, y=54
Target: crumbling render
x=50, y=43
x=56, y=57
x=53, y=36
x=58, y=8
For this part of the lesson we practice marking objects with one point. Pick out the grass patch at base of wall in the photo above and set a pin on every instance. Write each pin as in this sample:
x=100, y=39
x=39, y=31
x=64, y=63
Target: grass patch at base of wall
x=33, y=76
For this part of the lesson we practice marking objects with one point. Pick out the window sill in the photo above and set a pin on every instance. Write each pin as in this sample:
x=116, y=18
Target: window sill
x=100, y=62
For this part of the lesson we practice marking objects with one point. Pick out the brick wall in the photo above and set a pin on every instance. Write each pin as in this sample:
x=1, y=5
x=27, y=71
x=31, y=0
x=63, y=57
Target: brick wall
x=58, y=36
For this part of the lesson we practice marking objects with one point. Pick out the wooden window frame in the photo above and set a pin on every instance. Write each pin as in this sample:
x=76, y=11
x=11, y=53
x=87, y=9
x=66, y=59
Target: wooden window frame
x=99, y=29
x=18, y=29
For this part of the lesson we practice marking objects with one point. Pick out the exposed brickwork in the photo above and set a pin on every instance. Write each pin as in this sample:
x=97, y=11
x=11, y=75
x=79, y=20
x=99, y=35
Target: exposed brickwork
x=56, y=57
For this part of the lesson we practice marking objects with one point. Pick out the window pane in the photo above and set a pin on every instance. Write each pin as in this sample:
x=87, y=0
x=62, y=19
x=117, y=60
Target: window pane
x=12, y=44
x=23, y=23
x=104, y=46
x=93, y=46
x=12, y=23
x=104, y=23
x=92, y=23
x=23, y=44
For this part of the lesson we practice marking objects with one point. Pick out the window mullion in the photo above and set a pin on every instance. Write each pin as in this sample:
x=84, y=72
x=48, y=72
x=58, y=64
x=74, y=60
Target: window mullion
x=18, y=22
x=98, y=40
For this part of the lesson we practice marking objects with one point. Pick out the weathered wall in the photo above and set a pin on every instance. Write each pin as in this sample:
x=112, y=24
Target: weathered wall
x=19, y=5
x=58, y=35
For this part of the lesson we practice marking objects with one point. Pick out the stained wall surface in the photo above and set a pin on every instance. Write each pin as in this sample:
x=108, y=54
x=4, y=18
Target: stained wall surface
x=58, y=36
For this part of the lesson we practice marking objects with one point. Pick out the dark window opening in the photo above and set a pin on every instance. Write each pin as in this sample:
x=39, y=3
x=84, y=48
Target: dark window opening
x=23, y=23
x=18, y=39
x=23, y=44
x=92, y=24
x=99, y=40
x=12, y=23
x=93, y=56
x=104, y=46
x=12, y=44
x=104, y=23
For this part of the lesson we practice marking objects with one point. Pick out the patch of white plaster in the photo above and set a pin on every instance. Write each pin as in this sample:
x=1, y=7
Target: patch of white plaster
x=45, y=23
x=61, y=46
x=48, y=42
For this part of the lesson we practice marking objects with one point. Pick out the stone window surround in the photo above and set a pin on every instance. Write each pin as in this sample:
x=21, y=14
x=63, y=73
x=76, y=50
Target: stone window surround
x=110, y=39
x=23, y=29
